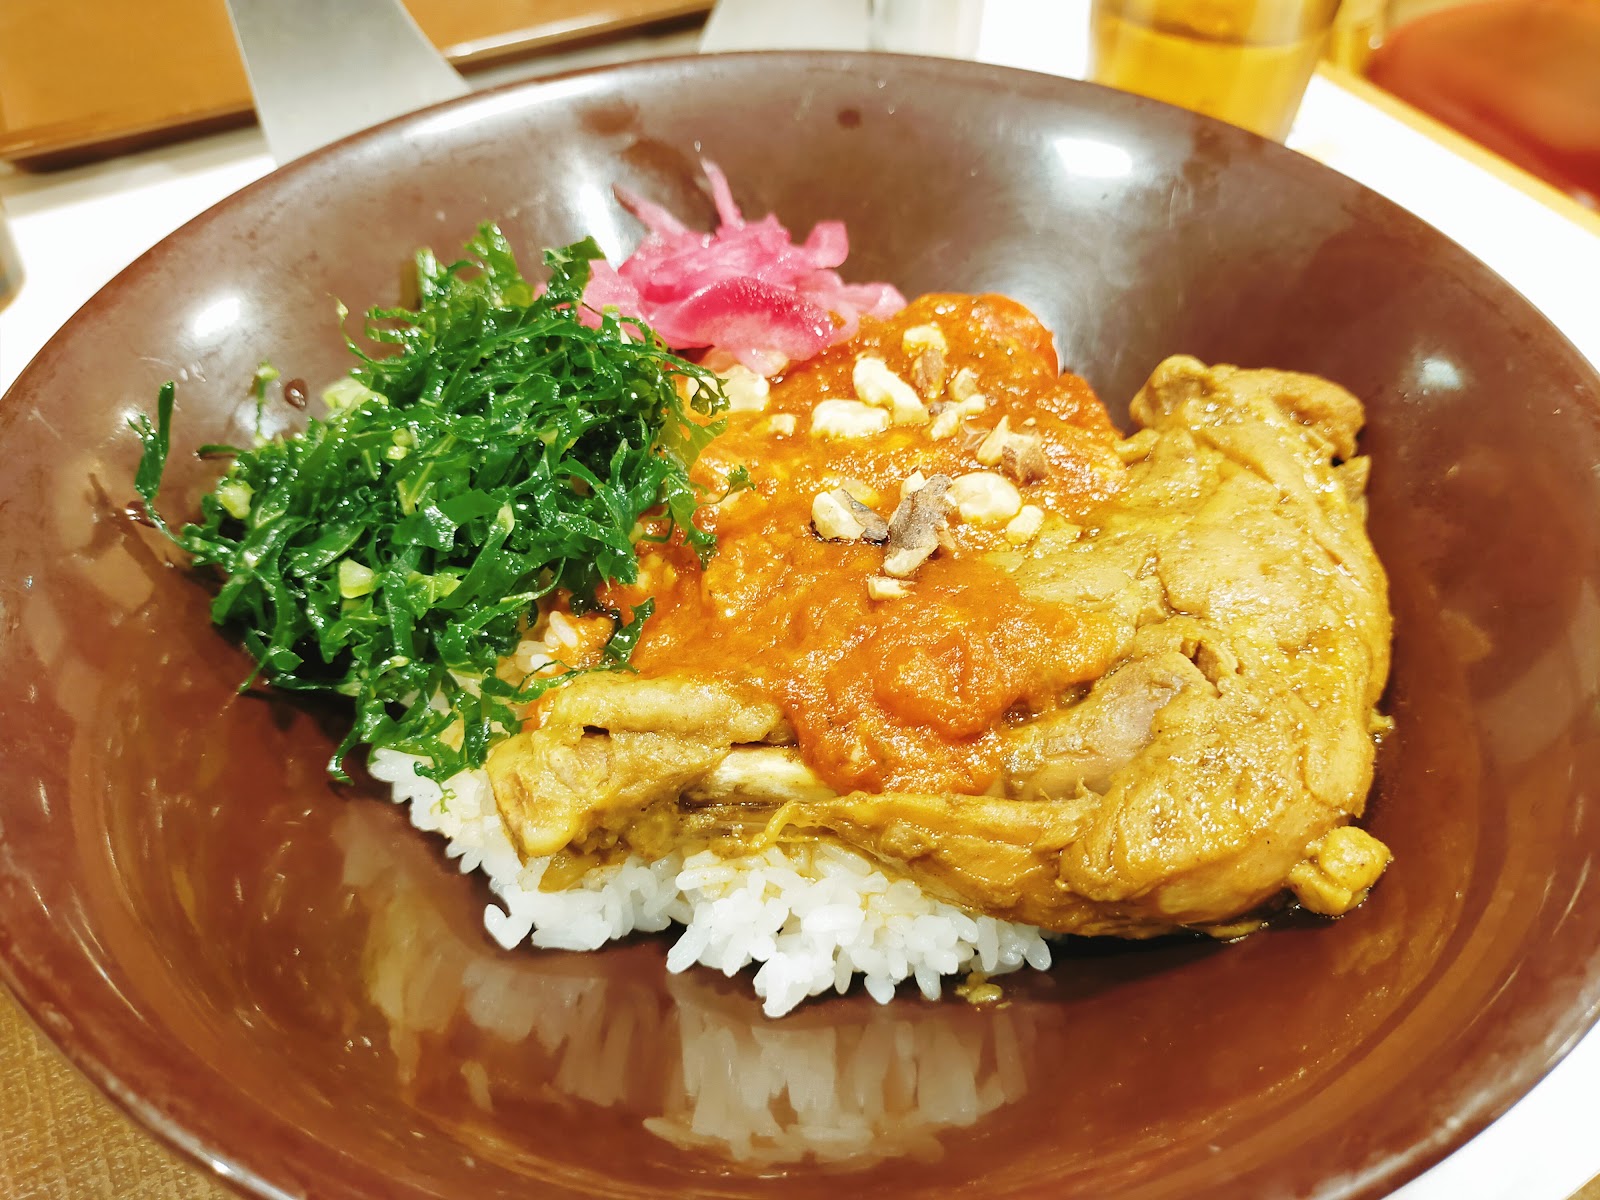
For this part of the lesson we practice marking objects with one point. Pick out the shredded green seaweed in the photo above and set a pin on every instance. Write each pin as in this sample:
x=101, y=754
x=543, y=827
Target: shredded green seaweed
x=395, y=551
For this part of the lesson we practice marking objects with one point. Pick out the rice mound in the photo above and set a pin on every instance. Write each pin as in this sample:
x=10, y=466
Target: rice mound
x=813, y=917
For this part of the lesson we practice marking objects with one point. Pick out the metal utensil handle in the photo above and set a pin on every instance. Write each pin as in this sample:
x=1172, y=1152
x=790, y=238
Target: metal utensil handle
x=321, y=69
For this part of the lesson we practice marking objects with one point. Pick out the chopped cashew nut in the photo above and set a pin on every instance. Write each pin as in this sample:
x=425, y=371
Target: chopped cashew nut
x=1019, y=455
x=880, y=387
x=915, y=527
x=964, y=385
x=928, y=371
x=945, y=422
x=963, y=388
x=847, y=419
x=865, y=493
x=923, y=337
x=902, y=563
x=1024, y=527
x=985, y=498
x=782, y=424
x=881, y=588
x=925, y=346
x=1338, y=869
x=746, y=391
x=989, y=449
x=1022, y=458
x=840, y=517
x=832, y=518
x=873, y=527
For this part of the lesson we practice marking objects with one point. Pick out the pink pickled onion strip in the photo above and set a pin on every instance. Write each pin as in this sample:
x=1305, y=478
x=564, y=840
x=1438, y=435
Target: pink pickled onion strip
x=745, y=289
x=607, y=289
x=828, y=244
x=743, y=314
x=727, y=211
x=655, y=218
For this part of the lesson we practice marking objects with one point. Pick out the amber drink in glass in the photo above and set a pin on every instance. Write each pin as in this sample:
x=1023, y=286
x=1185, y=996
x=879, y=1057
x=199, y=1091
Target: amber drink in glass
x=1245, y=61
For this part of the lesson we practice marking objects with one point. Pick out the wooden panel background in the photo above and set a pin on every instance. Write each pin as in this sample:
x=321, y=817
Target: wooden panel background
x=93, y=76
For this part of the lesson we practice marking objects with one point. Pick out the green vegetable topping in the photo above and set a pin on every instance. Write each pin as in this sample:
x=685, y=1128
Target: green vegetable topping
x=395, y=551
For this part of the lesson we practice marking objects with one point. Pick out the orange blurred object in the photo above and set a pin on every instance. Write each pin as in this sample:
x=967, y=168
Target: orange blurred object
x=1244, y=61
x=94, y=77
x=1521, y=77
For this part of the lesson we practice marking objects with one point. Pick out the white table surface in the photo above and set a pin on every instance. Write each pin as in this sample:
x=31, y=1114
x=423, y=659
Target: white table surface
x=75, y=229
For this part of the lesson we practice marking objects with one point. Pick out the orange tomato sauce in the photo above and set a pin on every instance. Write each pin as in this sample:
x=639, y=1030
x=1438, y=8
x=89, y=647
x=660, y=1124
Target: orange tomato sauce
x=910, y=693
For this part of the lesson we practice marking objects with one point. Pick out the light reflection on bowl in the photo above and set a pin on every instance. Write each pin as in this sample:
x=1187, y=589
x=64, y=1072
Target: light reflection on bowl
x=880, y=1085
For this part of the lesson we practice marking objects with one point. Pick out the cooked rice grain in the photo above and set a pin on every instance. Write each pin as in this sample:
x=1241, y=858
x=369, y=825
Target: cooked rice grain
x=812, y=916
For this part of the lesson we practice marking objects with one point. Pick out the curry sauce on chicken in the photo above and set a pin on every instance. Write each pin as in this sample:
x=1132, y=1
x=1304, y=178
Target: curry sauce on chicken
x=957, y=622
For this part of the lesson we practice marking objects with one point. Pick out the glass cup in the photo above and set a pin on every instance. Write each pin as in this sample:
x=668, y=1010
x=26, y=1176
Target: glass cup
x=1244, y=61
x=948, y=28
x=1357, y=31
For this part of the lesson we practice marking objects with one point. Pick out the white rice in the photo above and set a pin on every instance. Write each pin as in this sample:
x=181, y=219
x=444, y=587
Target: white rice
x=814, y=917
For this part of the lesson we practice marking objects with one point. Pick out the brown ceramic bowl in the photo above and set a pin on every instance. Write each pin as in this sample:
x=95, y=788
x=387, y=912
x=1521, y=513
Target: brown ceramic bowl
x=284, y=980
